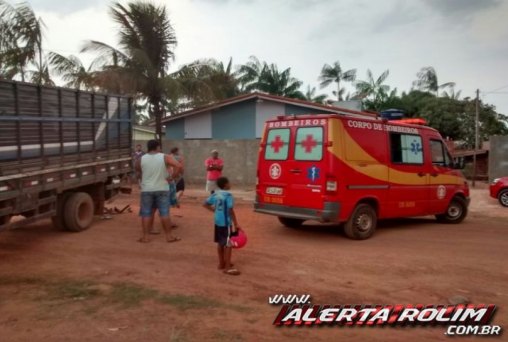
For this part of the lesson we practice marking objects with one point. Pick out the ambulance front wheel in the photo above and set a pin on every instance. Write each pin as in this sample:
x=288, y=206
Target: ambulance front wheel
x=362, y=223
x=290, y=222
x=456, y=212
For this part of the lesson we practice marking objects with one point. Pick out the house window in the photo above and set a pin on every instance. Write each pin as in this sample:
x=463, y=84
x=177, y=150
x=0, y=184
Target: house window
x=406, y=148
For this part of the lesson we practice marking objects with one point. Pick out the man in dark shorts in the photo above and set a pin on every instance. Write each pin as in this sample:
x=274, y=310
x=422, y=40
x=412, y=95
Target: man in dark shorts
x=152, y=171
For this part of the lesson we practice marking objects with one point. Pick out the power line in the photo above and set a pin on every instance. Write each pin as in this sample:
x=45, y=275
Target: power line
x=495, y=90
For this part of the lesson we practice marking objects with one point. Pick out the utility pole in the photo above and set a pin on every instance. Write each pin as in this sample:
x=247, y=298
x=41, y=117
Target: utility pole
x=476, y=138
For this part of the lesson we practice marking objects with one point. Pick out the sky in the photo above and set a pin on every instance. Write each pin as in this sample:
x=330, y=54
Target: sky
x=466, y=41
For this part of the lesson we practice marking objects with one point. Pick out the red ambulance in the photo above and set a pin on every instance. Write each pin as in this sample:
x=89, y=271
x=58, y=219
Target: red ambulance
x=356, y=169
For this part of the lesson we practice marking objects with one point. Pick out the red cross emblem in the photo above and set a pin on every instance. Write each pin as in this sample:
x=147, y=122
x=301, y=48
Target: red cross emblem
x=277, y=144
x=309, y=143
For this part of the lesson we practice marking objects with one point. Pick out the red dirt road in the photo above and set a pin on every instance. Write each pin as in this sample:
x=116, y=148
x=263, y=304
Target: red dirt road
x=102, y=284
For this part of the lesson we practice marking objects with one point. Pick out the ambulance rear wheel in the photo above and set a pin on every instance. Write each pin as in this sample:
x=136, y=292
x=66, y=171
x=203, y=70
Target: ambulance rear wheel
x=362, y=223
x=456, y=212
x=290, y=222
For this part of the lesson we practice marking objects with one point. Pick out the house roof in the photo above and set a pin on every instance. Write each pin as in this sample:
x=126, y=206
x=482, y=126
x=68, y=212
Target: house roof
x=468, y=153
x=316, y=107
x=146, y=129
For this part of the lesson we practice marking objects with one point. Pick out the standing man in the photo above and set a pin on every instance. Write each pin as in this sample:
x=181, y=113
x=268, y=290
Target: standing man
x=214, y=167
x=153, y=172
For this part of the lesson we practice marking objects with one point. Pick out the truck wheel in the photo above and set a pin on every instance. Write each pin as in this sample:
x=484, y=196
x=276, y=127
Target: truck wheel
x=79, y=212
x=503, y=197
x=58, y=219
x=456, y=212
x=290, y=222
x=362, y=223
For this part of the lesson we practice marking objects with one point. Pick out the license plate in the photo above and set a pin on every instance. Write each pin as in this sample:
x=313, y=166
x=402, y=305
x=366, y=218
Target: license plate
x=274, y=191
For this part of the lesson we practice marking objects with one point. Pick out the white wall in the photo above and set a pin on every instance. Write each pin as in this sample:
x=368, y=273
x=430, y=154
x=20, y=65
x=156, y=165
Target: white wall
x=198, y=126
x=266, y=110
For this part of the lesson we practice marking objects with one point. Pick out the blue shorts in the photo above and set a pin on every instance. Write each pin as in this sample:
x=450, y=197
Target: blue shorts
x=154, y=200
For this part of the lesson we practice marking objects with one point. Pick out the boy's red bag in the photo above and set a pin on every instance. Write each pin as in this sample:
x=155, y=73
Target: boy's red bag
x=239, y=240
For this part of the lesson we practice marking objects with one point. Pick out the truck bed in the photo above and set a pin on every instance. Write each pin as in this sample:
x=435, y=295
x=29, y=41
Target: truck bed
x=55, y=139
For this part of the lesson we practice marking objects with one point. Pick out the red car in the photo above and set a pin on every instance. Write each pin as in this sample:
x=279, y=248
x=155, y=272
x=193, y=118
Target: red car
x=499, y=190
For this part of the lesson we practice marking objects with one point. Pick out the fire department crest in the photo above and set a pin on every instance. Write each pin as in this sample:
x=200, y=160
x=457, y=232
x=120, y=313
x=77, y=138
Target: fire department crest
x=275, y=171
x=441, y=192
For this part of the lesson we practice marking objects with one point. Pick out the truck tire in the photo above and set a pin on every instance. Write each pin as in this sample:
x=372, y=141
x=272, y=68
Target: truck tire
x=290, y=222
x=456, y=212
x=58, y=219
x=362, y=223
x=79, y=212
x=503, y=197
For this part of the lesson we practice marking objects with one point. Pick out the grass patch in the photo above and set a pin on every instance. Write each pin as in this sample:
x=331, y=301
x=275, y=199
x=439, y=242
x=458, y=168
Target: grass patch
x=71, y=289
x=130, y=295
x=125, y=294
x=184, y=302
x=223, y=335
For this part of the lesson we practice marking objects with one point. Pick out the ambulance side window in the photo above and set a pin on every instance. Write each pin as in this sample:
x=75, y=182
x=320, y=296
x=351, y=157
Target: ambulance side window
x=406, y=148
x=439, y=155
x=277, y=144
x=309, y=143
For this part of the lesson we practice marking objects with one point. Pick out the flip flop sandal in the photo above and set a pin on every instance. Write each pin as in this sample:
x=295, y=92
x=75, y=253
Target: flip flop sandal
x=175, y=239
x=155, y=232
x=232, y=271
x=143, y=240
x=221, y=268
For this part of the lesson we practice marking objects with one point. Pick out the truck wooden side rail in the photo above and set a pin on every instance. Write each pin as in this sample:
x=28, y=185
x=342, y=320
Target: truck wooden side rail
x=63, y=153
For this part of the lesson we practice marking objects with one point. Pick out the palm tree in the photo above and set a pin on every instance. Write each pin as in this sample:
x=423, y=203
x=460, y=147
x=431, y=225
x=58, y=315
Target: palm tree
x=146, y=50
x=310, y=95
x=334, y=73
x=72, y=71
x=250, y=73
x=452, y=94
x=427, y=81
x=373, y=91
x=272, y=81
x=209, y=80
x=21, y=42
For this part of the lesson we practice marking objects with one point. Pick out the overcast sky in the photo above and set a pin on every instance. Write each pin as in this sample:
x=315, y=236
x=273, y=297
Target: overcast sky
x=466, y=41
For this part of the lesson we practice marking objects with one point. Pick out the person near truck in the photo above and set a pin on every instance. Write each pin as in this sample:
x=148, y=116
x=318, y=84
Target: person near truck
x=136, y=155
x=180, y=182
x=153, y=172
x=214, y=166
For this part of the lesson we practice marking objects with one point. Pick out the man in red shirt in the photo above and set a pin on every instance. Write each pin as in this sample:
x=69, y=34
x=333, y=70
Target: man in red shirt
x=214, y=167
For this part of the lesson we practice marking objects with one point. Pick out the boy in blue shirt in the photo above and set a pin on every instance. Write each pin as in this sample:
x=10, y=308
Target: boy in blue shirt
x=221, y=203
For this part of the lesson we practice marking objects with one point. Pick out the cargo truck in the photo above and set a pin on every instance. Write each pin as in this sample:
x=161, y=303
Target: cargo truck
x=63, y=153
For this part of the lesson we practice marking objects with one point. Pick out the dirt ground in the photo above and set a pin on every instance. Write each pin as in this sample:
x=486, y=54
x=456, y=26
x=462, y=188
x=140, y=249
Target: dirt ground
x=102, y=284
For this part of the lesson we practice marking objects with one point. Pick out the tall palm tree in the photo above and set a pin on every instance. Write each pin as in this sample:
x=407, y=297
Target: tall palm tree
x=72, y=71
x=213, y=80
x=145, y=51
x=334, y=74
x=250, y=73
x=373, y=91
x=310, y=95
x=427, y=81
x=452, y=94
x=279, y=83
x=21, y=42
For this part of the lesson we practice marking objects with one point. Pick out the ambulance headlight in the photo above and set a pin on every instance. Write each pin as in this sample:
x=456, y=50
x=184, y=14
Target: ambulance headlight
x=496, y=180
